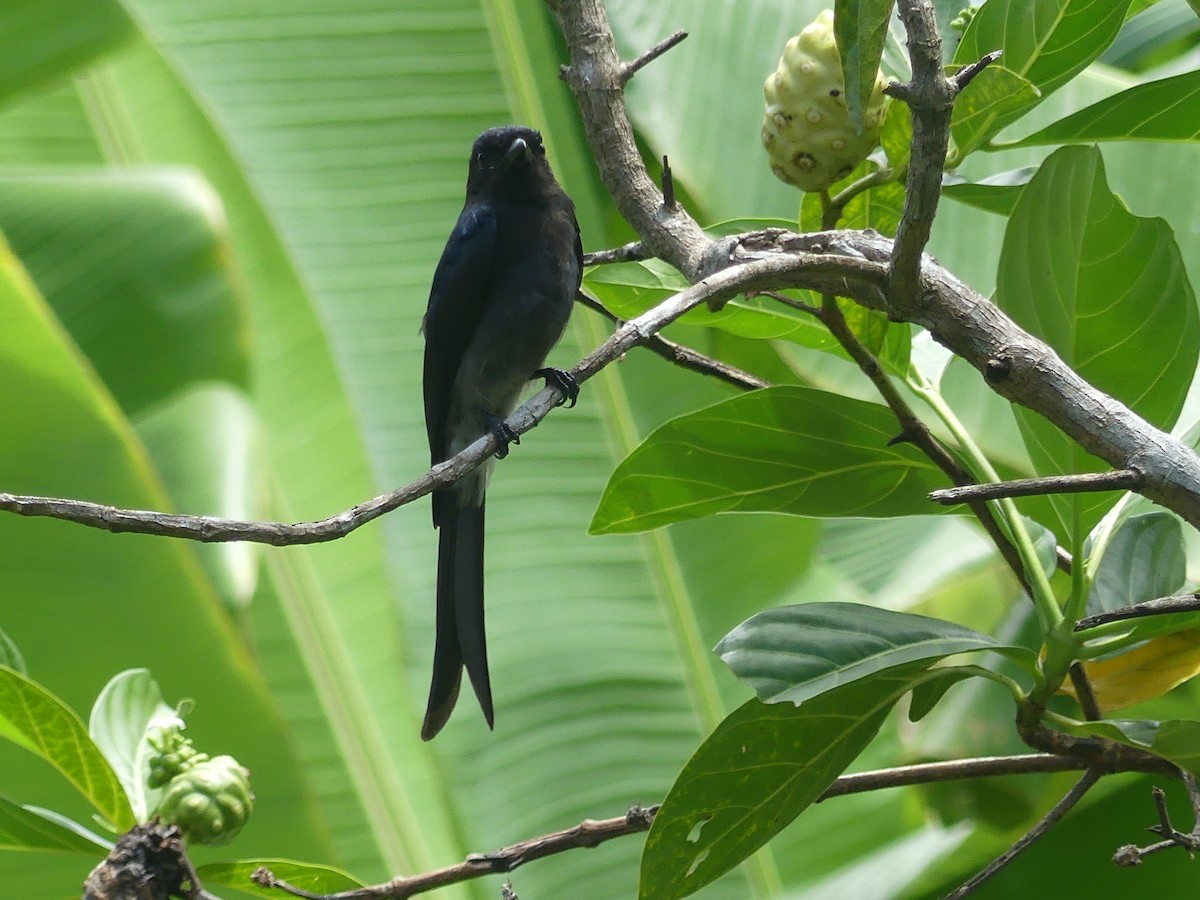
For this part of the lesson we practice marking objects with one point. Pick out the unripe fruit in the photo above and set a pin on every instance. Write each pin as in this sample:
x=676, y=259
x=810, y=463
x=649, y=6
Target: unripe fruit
x=210, y=802
x=807, y=131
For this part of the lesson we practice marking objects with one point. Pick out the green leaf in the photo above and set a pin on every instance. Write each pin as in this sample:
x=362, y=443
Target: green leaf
x=10, y=655
x=762, y=767
x=994, y=94
x=783, y=449
x=629, y=289
x=1078, y=270
x=996, y=193
x=1046, y=42
x=312, y=877
x=1165, y=110
x=927, y=694
x=896, y=137
x=1177, y=740
x=33, y=718
x=24, y=827
x=155, y=282
x=44, y=40
x=794, y=653
x=860, y=27
x=127, y=708
x=206, y=442
x=1145, y=560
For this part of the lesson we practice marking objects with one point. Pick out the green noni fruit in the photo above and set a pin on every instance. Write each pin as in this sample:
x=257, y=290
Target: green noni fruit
x=807, y=131
x=209, y=801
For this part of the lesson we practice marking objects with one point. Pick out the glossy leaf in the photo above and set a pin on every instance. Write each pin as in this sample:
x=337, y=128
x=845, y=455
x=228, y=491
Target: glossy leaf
x=33, y=718
x=307, y=876
x=127, y=708
x=996, y=194
x=44, y=41
x=762, y=767
x=1165, y=110
x=24, y=827
x=794, y=653
x=1078, y=268
x=1046, y=42
x=861, y=27
x=783, y=449
x=1146, y=559
x=994, y=94
x=629, y=289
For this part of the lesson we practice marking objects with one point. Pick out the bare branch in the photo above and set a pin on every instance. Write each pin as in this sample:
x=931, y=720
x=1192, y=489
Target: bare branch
x=631, y=68
x=716, y=289
x=682, y=356
x=1121, y=479
x=631, y=252
x=595, y=74
x=589, y=833
x=1160, y=607
x=1047, y=821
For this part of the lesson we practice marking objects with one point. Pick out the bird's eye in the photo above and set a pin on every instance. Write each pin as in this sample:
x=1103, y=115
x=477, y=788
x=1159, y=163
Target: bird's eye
x=480, y=161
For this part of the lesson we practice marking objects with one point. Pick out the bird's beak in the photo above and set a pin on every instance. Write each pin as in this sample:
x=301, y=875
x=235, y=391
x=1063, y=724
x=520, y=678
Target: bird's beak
x=518, y=150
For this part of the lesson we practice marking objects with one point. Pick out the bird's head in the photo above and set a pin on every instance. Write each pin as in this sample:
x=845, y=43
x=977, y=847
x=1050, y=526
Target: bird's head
x=508, y=160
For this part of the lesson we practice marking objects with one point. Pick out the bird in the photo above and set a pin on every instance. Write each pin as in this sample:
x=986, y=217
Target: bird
x=500, y=300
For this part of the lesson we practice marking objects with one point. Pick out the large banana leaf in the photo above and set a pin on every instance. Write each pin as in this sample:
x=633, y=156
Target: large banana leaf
x=336, y=148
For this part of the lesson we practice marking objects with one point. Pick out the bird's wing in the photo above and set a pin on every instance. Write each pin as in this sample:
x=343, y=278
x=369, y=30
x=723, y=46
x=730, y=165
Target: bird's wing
x=456, y=303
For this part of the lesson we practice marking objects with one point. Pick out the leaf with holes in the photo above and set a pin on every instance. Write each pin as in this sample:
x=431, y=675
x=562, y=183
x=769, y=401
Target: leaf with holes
x=762, y=767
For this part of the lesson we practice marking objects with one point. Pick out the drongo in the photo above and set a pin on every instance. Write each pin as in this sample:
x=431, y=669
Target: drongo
x=500, y=300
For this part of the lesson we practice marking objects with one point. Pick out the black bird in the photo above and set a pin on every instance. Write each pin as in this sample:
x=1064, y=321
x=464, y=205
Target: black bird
x=500, y=300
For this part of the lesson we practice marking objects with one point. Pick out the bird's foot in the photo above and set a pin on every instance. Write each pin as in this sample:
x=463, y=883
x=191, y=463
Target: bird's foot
x=504, y=436
x=564, y=381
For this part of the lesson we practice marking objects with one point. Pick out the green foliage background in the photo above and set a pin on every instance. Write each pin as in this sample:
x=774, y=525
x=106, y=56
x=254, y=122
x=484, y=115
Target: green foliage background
x=220, y=221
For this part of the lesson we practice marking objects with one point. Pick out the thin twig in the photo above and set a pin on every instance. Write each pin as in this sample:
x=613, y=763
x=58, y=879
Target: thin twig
x=1118, y=480
x=966, y=74
x=912, y=429
x=683, y=356
x=634, y=251
x=589, y=833
x=1160, y=607
x=631, y=68
x=1132, y=854
x=1047, y=821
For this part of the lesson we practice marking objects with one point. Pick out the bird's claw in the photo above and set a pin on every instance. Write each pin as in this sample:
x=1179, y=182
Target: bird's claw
x=564, y=381
x=504, y=435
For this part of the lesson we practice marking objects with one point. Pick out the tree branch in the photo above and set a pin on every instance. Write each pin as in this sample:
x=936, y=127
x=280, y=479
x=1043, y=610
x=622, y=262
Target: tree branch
x=591, y=833
x=682, y=356
x=1051, y=818
x=716, y=289
x=631, y=68
x=1121, y=479
x=1160, y=607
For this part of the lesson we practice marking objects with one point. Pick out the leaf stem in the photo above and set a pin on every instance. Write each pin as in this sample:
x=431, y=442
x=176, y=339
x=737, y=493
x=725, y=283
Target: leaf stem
x=1042, y=594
